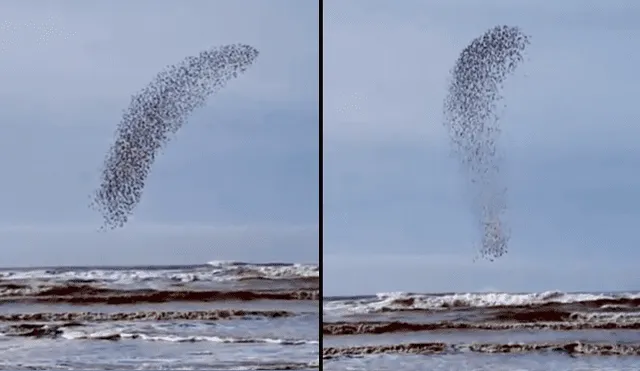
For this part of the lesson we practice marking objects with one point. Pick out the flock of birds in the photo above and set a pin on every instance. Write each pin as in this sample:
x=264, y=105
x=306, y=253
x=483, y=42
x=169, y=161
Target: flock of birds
x=154, y=115
x=472, y=119
x=470, y=111
x=44, y=32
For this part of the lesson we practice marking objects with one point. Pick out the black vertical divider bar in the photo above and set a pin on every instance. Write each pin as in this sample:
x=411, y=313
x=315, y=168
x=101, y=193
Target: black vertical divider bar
x=320, y=192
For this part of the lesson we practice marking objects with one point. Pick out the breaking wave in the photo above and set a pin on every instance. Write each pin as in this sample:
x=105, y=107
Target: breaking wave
x=570, y=323
x=386, y=302
x=215, y=271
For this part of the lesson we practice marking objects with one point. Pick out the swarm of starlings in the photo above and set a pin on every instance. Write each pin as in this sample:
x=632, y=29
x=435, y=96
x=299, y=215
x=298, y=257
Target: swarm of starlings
x=472, y=120
x=154, y=115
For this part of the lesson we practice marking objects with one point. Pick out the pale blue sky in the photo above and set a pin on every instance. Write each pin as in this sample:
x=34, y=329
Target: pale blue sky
x=239, y=182
x=395, y=213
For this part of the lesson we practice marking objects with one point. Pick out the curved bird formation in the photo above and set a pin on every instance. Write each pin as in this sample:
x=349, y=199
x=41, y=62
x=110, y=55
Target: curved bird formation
x=471, y=117
x=154, y=115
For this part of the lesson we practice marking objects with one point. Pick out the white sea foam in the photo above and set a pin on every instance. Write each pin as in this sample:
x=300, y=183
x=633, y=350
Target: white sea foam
x=401, y=300
x=114, y=335
x=216, y=271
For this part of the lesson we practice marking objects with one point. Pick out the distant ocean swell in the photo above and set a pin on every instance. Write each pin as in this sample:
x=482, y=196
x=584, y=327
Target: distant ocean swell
x=463, y=320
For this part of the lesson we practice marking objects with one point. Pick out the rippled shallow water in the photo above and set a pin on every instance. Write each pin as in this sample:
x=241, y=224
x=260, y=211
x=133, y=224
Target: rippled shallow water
x=489, y=362
x=491, y=331
x=229, y=316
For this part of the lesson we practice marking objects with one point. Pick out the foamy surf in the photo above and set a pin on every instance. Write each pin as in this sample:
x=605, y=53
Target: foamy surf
x=111, y=335
x=410, y=301
x=215, y=271
x=255, y=316
x=389, y=330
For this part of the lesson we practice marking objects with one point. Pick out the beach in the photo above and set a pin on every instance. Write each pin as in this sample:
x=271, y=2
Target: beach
x=482, y=331
x=219, y=315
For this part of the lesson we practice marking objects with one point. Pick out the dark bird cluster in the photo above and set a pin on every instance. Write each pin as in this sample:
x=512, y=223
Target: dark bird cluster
x=153, y=116
x=472, y=119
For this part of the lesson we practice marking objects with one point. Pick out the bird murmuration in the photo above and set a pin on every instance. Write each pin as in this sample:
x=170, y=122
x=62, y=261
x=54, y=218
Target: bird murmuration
x=154, y=115
x=472, y=119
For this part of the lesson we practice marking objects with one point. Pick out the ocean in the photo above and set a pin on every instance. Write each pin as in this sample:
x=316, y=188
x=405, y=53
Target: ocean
x=215, y=316
x=482, y=331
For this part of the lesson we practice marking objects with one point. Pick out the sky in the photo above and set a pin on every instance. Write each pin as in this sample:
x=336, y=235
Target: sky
x=240, y=181
x=396, y=215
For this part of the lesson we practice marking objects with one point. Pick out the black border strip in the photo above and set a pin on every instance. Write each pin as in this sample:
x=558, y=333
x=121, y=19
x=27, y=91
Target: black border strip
x=321, y=203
